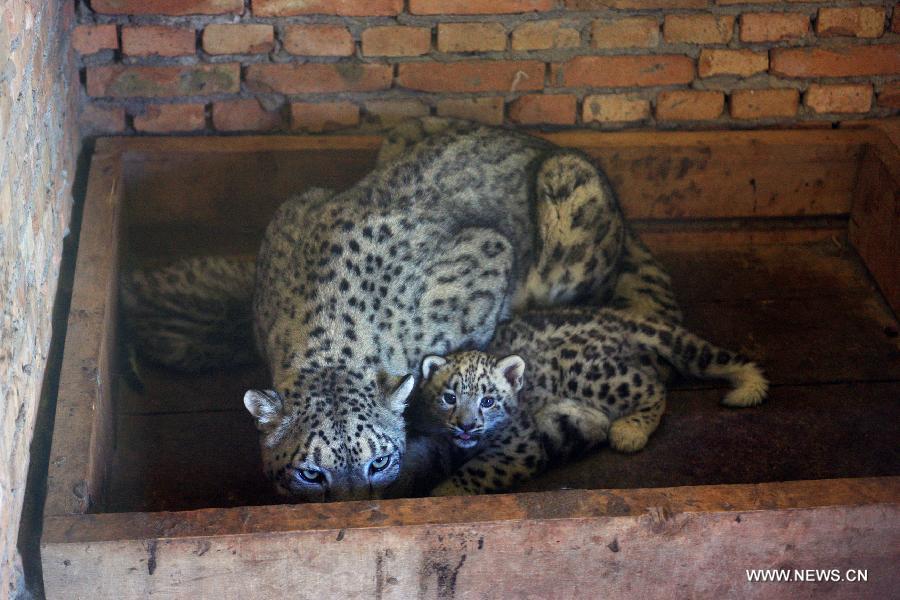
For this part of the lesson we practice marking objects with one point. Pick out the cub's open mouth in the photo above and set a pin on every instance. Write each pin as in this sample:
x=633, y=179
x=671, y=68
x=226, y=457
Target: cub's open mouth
x=465, y=440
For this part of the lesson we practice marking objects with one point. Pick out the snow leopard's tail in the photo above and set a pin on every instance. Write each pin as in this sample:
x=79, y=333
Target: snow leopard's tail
x=193, y=315
x=692, y=355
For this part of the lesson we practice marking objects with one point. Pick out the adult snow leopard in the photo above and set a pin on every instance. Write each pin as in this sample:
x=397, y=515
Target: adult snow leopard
x=423, y=256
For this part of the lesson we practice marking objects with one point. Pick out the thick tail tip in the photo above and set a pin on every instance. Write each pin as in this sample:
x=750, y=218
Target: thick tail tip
x=751, y=388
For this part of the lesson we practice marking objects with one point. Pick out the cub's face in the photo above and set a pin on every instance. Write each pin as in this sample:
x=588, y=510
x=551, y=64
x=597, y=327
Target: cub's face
x=467, y=395
x=329, y=436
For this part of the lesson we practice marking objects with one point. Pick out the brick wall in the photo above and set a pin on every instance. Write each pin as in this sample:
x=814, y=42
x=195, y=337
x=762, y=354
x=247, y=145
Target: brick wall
x=37, y=151
x=160, y=66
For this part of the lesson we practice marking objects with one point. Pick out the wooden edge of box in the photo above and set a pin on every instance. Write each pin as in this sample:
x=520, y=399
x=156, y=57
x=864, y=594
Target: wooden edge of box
x=874, y=228
x=798, y=137
x=471, y=510
x=83, y=424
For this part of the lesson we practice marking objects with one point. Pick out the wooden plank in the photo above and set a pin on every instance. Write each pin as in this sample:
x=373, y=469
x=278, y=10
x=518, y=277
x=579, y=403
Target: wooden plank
x=806, y=340
x=236, y=143
x=679, y=235
x=82, y=436
x=278, y=143
x=675, y=542
x=726, y=174
x=236, y=190
x=405, y=512
x=875, y=219
x=801, y=432
x=675, y=139
x=658, y=176
x=787, y=438
x=705, y=268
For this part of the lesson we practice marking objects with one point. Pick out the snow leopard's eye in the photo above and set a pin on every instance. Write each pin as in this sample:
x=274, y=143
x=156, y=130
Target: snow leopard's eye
x=311, y=476
x=449, y=398
x=487, y=402
x=380, y=463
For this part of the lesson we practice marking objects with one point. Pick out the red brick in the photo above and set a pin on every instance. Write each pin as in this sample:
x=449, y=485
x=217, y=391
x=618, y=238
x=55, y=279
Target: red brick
x=472, y=76
x=318, y=40
x=121, y=81
x=544, y=35
x=634, y=4
x=626, y=71
x=863, y=21
x=167, y=7
x=392, y=111
x=552, y=109
x=157, y=40
x=848, y=61
x=760, y=104
x=615, y=108
x=684, y=105
x=477, y=7
x=471, y=37
x=732, y=62
x=396, y=41
x=845, y=98
x=244, y=115
x=698, y=29
x=344, y=8
x=637, y=32
x=483, y=110
x=99, y=119
x=164, y=118
x=318, y=78
x=890, y=95
x=323, y=116
x=238, y=39
x=773, y=27
x=88, y=39
x=895, y=21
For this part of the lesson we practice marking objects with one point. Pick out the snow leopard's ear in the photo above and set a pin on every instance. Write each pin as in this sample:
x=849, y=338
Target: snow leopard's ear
x=431, y=364
x=397, y=398
x=264, y=405
x=513, y=370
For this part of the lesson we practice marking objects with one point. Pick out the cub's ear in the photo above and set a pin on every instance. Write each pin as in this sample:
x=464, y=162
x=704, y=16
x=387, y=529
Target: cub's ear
x=397, y=399
x=264, y=405
x=431, y=364
x=513, y=370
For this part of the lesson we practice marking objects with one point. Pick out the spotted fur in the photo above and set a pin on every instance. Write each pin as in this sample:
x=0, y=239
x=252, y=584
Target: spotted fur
x=590, y=379
x=193, y=315
x=424, y=255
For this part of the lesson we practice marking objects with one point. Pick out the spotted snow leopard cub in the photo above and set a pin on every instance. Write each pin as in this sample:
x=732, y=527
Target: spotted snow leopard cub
x=490, y=422
x=353, y=289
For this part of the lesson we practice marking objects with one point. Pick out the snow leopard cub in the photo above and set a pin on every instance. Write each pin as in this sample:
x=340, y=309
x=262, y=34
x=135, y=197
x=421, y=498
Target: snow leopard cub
x=591, y=378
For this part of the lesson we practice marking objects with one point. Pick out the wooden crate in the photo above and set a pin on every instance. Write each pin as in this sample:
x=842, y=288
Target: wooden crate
x=784, y=244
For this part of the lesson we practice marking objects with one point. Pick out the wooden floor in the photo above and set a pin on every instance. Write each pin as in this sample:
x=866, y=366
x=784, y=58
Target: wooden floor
x=807, y=311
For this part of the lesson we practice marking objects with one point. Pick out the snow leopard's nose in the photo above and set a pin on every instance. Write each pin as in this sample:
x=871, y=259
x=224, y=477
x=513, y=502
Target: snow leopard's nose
x=467, y=427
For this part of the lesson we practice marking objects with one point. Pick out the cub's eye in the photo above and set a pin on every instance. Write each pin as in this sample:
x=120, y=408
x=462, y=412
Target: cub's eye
x=380, y=463
x=311, y=476
x=450, y=398
x=487, y=402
